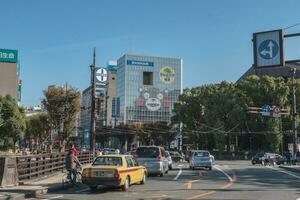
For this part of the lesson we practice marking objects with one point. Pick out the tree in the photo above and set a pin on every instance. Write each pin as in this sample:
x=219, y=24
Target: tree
x=13, y=123
x=38, y=128
x=158, y=133
x=216, y=114
x=62, y=105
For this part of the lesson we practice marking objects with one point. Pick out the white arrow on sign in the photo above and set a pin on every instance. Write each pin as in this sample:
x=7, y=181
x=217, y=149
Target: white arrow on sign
x=101, y=75
x=270, y=52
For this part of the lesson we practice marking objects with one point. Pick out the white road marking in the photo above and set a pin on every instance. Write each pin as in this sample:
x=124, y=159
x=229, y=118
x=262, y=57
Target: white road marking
x=56, y=197
x=298, y=198
x=285, y=172
x=179, y=173
x=83, y=190
x=221, y=170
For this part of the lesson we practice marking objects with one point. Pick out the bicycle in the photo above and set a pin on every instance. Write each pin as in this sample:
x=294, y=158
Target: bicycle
x=72, y=177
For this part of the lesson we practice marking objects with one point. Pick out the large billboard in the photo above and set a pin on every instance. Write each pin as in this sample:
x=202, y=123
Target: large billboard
x=268, y=49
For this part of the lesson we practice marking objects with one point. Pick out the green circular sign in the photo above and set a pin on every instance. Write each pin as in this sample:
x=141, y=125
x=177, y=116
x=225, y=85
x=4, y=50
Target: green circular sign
x=167, y=75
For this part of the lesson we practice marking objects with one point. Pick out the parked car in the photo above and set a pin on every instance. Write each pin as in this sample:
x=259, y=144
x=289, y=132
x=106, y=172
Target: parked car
x=153, y=158
x=268, y=159
x=258, y=158
x=114, y=170
x=170, y=161
x=176, y=156
x=200, y=158
x=280, y=160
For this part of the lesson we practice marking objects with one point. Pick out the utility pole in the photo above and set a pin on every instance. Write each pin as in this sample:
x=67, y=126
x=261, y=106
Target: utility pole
x=294, y=112
x=281, y=135
x=93, y=109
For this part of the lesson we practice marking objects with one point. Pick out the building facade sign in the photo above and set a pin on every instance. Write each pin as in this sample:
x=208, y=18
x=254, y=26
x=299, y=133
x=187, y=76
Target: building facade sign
x=101, y=75
x=8, y=55
x=167, y=75
x=140, y=63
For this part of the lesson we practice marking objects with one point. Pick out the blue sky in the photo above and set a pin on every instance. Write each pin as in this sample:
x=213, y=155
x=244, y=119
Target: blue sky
x=55, y=38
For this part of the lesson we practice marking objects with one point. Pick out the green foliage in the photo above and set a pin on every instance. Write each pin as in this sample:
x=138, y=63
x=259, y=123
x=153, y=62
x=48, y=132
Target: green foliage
x=62, y=105
x=38, y=127
x=214, y=115
x=12, y=123
x=158, y=133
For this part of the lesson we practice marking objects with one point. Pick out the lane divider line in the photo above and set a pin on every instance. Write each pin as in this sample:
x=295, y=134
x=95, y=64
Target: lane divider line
x=285, y=172
x=221, y=170
x=227, y=185
x=179, y=173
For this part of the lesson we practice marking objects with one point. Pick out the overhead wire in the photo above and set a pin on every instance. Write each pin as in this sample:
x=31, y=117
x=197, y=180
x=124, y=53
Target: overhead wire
x=297, y=24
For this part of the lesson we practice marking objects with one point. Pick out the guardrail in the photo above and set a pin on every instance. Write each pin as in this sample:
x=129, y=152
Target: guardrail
x=31, y=167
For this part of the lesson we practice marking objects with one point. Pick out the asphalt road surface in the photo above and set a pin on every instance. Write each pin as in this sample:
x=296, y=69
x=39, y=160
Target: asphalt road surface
x=229, y=180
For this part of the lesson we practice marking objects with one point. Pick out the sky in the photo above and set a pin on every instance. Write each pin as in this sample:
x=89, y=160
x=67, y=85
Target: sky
x=55, y=38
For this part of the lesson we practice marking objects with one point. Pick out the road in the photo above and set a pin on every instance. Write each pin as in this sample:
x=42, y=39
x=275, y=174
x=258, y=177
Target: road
x=229, y=180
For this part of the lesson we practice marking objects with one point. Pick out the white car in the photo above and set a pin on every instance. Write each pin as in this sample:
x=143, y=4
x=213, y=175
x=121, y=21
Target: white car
x=200, y=158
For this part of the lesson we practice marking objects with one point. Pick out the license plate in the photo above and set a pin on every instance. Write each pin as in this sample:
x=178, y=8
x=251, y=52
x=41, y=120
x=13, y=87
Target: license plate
x=100, y=173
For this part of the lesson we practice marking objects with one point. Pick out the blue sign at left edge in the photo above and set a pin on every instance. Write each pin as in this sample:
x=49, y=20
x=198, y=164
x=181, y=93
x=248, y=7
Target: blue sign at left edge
x=8, y=55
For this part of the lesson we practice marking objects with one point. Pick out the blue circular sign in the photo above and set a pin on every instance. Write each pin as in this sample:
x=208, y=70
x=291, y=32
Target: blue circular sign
x=268, y=49
x=266, y=108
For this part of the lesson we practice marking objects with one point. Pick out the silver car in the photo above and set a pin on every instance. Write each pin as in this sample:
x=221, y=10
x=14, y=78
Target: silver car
x=153, y=158
x=200, y=158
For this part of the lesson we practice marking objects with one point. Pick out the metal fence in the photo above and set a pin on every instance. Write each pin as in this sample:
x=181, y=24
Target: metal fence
x=34, y=166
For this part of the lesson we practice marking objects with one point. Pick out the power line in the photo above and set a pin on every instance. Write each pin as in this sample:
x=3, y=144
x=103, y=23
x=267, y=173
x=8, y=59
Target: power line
x=297, y=24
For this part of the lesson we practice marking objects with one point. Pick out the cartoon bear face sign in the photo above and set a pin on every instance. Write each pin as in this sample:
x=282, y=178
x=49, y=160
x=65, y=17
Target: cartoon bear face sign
x=153, y=99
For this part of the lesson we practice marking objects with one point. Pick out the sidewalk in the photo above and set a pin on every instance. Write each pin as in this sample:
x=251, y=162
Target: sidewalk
x=292, y=168
x=38, y=187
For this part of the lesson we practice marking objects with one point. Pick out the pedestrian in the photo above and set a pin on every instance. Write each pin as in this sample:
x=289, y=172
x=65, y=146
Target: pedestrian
x=74, y=150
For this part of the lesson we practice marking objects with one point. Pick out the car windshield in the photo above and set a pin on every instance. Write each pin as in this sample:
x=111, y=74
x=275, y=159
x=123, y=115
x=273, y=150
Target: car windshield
x=147, y=152
x=201, y=154
x=115, y=161
x=258, y=155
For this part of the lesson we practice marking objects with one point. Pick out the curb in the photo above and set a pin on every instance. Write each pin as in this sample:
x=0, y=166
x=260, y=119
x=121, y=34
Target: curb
x=45, y=190
x=290, y=169
x=12, y=196
x=21, y=194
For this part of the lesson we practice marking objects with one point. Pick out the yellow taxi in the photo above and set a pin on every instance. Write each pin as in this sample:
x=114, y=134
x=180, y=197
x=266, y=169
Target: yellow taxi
x=114, y=170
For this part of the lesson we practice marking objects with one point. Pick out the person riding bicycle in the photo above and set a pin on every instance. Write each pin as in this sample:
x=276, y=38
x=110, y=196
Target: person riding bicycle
x=72, y=165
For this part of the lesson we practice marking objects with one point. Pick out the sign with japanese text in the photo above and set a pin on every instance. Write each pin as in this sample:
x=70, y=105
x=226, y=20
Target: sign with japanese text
x=8, y=55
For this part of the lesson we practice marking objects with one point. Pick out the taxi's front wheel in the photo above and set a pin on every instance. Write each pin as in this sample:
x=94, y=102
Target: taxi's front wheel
x=125, y=187
x=143, y=181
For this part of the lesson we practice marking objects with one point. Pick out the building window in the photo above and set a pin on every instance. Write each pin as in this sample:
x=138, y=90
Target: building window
x=148, y=78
